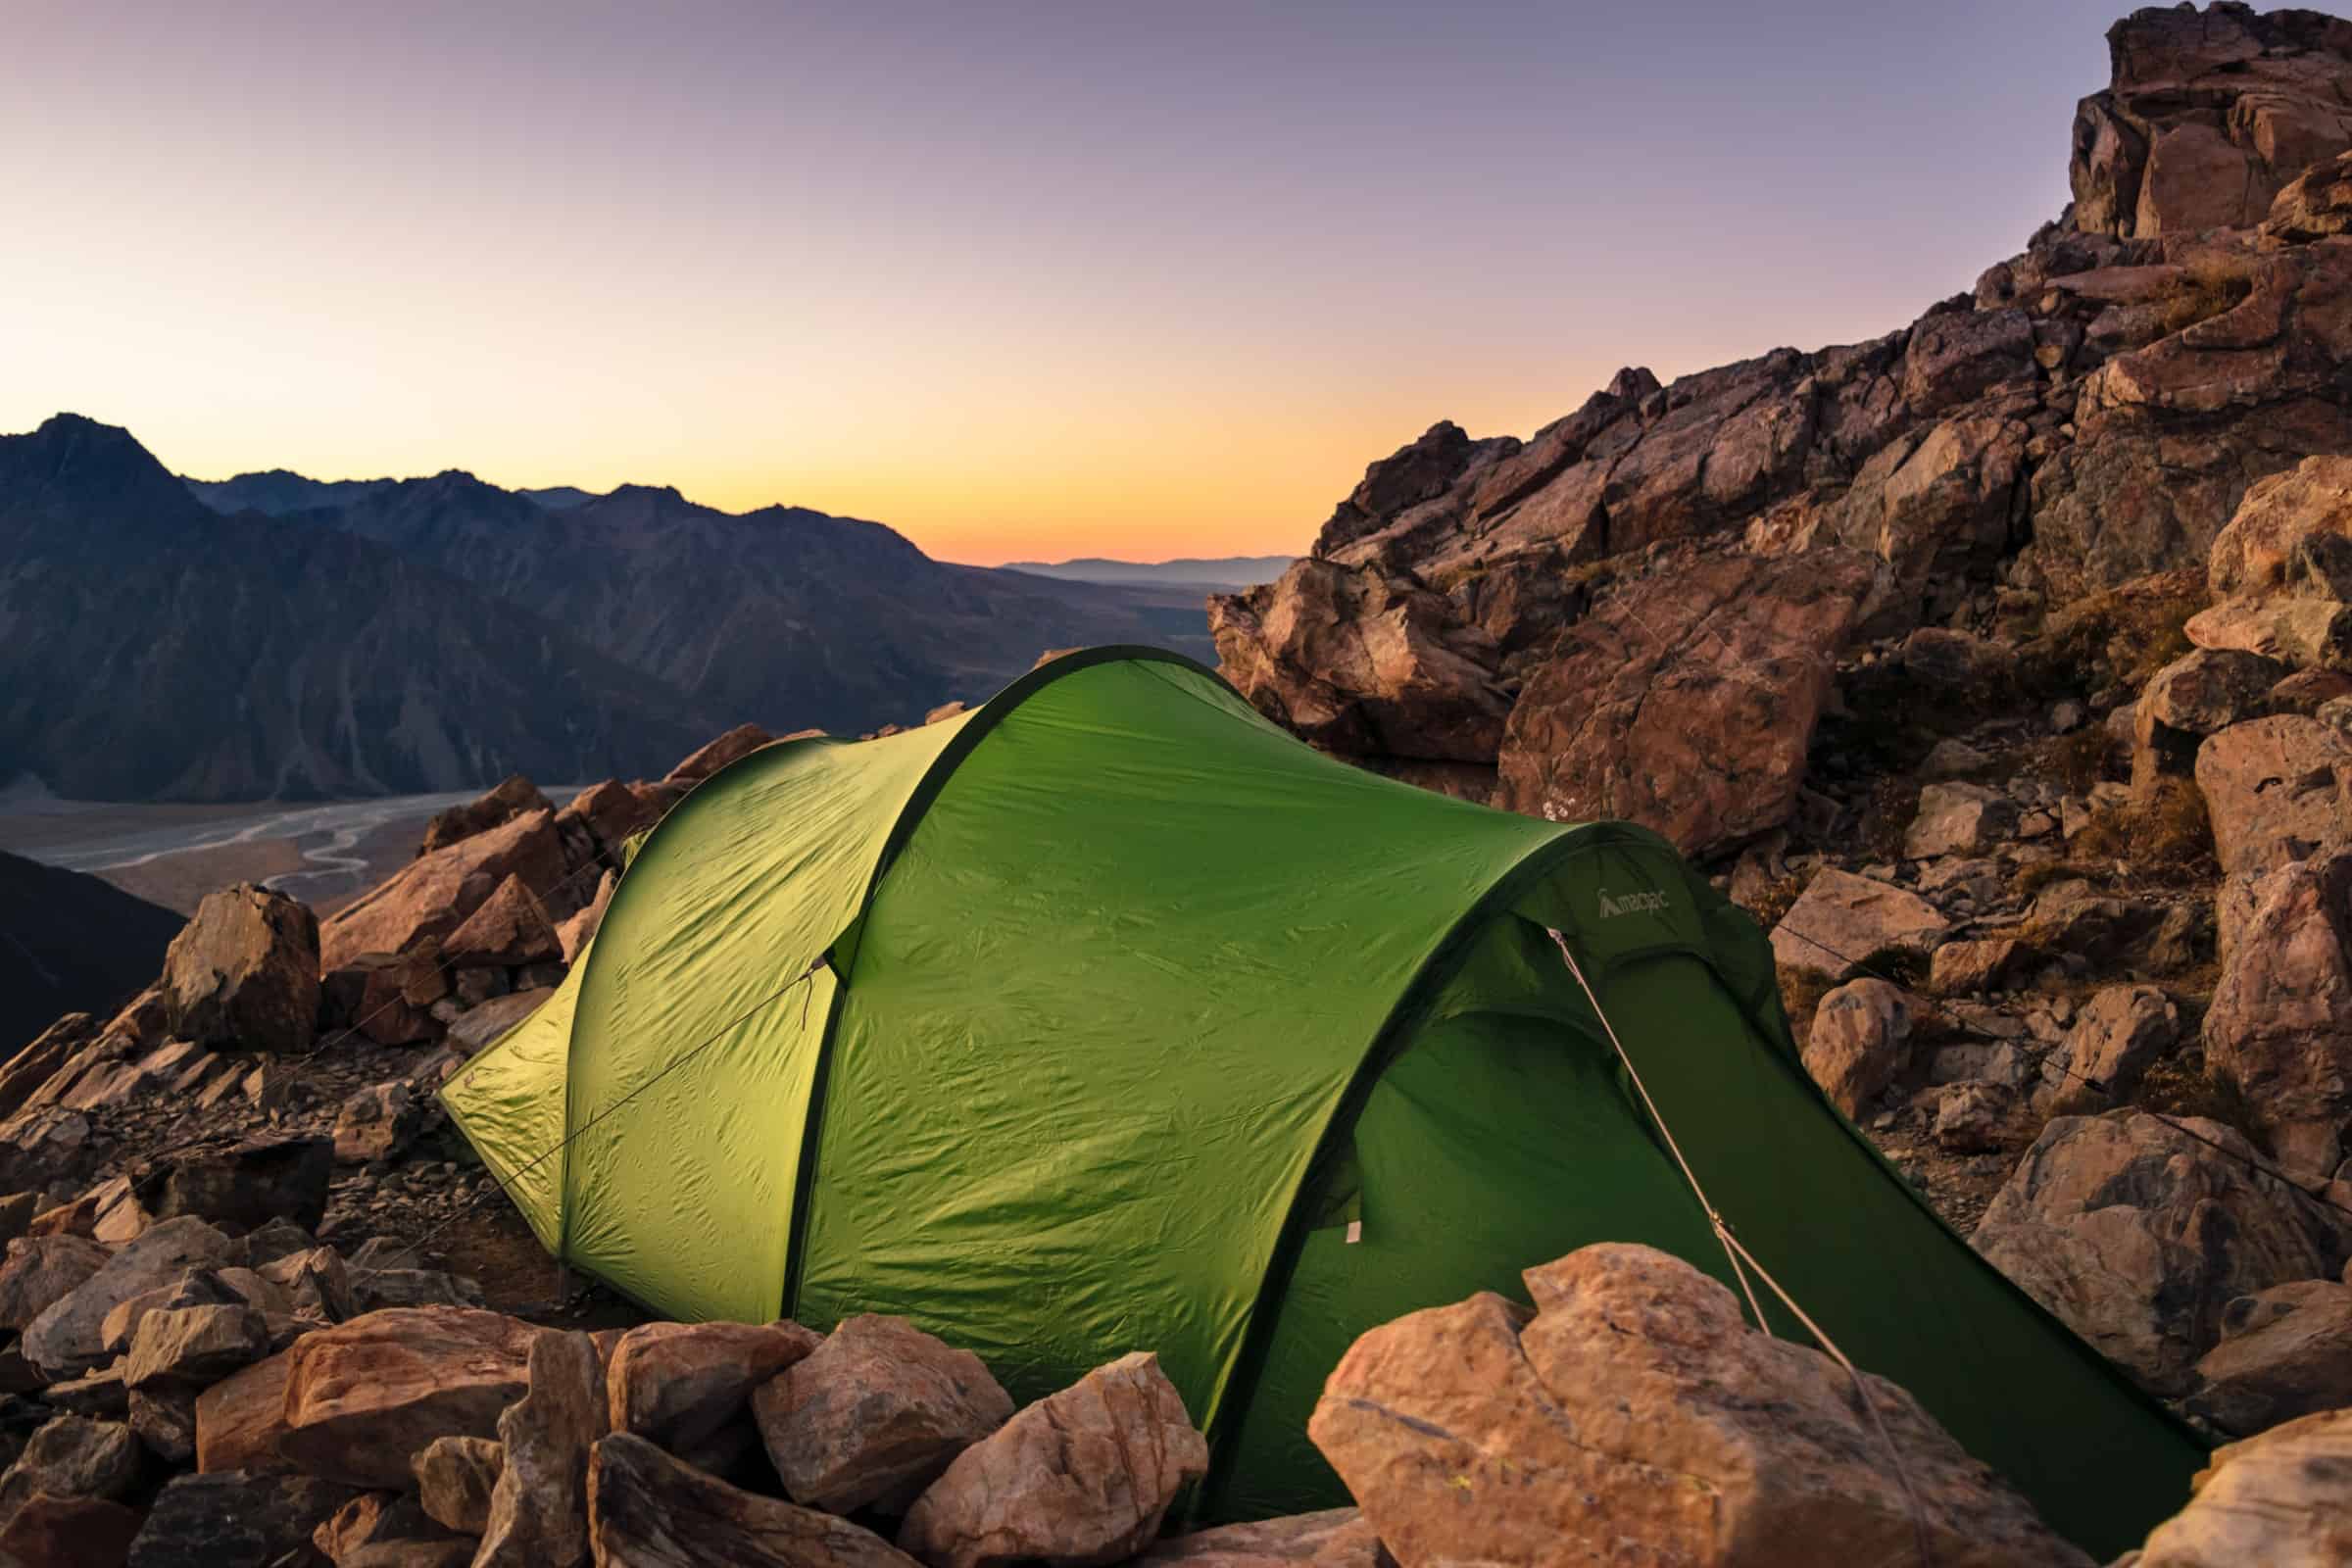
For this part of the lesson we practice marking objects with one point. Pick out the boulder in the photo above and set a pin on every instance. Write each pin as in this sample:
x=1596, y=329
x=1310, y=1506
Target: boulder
x=737, y=743
x=363, y=1398
x=1959, y=819
x=539, y=1508
x=68, y=1339
x=509, y=928
x=455, y=1478
x=1083, y=1476
x=513, y=796
x=432, y=895
x=2071, y=916
x=197, y=1287
x=2280, y=1020
x=1860, y=1034
x=611, y=812
x=240, y=1419
x=2299, y=633
x=244, y=972
x=2316, y=205
x=1844, y=920
x=679, y=1384
x=317, y=1284
x=2113, y=1039
x=649, y=1510
x=1687, y=701
x=2138, y=1235
x=390, y=1530
x=1336, y=1538
x=574, y=934
x=85, y=1532
x=1365, y=663
x=2292, y=533
x=195, y=1346
x=40, y=1271
x=2282, y=1499
x=235, y=1520
x=1991, y=964
x=98, y=1394
x=374, y=1289
x=386, y=996
x=45, y=1147
x=163, y=1416
x=72, y=1457
x=871, y=1416
x=2291, y=1366
x=250, y=1184
x=479, y=1028
x=1975, y=1117
x=2210, y=689
x=109, y=1212
x=378, y=1122
x=1636, y=1409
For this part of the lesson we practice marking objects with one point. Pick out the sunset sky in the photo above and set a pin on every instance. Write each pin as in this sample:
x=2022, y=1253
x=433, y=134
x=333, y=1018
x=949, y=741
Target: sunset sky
x=1018, y=279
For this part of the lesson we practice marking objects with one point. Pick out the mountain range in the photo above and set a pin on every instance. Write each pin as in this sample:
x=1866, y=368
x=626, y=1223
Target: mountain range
x=274, y=636
x=1219, y=572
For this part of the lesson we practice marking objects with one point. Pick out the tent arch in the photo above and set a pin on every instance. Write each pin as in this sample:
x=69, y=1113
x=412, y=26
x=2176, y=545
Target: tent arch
x=1117, y=966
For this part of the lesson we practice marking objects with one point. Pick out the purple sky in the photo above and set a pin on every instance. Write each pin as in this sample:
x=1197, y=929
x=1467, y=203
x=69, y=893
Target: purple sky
x=1018, y=279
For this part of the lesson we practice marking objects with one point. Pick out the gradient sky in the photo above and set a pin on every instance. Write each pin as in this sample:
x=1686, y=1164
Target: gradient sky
x=1018, y=279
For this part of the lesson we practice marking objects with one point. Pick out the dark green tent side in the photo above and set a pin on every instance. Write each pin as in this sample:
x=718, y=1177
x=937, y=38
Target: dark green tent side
x=1134, y=1022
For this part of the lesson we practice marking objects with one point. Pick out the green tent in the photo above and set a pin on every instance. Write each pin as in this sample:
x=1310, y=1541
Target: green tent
x=1108, y=1016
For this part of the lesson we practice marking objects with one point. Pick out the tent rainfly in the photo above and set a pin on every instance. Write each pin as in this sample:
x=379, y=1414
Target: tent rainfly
x=1107, y=1015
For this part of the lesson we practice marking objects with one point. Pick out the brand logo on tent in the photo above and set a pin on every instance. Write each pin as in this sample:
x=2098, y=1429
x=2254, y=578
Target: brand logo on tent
x=1650, y=902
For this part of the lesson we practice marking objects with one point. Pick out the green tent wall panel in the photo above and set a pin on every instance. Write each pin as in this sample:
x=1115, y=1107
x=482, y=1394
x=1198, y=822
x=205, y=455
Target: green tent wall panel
x=1104, y=1015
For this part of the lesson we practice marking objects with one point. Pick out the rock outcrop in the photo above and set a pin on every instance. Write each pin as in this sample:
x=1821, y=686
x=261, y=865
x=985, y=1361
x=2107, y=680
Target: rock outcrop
x=872, y=1415
x=2139, y=1235
x=1635, y=1416
x=1083, y=1476
x=245, y=971
x=2284, y=1499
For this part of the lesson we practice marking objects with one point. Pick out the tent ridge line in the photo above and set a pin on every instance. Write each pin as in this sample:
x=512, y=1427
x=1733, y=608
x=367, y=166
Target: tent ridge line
x=983, y=722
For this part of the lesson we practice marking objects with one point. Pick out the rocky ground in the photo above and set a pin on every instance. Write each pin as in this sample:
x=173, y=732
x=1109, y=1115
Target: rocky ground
x=2001, y=667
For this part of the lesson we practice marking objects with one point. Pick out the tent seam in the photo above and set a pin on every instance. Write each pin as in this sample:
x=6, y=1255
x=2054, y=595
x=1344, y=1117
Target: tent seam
x=1235, y=1394
x=984, y=722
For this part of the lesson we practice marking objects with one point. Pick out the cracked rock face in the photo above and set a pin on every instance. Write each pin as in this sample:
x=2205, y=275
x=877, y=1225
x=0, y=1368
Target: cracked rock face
x=1686, y=703
x=2211, y=115
x=1081, y=1477
x=1636, y=1414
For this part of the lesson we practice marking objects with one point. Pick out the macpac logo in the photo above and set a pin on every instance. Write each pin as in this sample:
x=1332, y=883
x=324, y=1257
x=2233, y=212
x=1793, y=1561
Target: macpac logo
x=1650, y=902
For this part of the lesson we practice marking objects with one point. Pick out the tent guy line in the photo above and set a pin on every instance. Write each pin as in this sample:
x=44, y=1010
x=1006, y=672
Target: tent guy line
x=1736, y=1251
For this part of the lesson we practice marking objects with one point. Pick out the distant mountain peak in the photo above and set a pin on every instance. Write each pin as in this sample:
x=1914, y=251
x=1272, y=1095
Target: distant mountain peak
x=72, y=454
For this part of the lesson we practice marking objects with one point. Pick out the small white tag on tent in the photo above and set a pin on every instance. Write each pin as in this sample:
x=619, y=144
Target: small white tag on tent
x=1355, y=1231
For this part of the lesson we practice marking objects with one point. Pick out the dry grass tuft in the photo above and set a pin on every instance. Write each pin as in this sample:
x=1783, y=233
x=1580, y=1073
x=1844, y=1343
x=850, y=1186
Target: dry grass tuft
x=2181, y=1086
x=1888, y=814
x=2165, y=835
x=1776, y=898
x=2123, y=635
x=2213, y=287
x=1801, y=991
